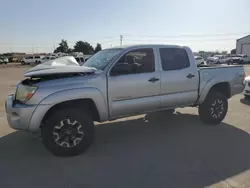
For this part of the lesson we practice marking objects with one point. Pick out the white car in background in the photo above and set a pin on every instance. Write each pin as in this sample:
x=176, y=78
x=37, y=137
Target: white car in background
x=212, y=60
x=245, y=58
x=199, y=60
x=246, y=91
x=80, y=60
x=47, y=58
x=31, y=60
x=221, y=59
x=217, y=59
x=4, y=60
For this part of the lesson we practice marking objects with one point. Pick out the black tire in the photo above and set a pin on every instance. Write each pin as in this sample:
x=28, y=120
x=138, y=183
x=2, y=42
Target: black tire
x=214, y=108
x=55, y=120
x=22, y=62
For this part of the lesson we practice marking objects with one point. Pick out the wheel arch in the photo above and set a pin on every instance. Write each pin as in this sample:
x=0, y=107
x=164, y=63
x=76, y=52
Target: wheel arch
x=222, y=87
x=81, y=104
x=89, y=98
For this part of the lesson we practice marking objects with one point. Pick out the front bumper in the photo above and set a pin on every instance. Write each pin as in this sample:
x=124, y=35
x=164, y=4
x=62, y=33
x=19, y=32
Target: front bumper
x=18, y=115
x=247, y=89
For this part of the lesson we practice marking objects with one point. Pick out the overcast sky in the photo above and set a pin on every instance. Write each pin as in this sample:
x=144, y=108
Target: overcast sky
x=38, y=25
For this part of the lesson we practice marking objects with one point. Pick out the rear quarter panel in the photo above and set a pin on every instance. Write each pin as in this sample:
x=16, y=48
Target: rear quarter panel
x=209, y=76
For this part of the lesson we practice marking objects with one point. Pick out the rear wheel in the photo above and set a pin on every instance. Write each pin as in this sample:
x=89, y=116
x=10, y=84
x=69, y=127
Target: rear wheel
x=214, y=108
x=68, y=132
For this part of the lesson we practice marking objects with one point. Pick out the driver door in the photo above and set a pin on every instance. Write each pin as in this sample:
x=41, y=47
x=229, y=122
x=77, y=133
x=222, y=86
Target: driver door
x=136, y=89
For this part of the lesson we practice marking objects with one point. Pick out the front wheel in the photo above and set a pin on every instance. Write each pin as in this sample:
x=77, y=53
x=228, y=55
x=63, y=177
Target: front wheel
x=68, y=132
x=214, y=108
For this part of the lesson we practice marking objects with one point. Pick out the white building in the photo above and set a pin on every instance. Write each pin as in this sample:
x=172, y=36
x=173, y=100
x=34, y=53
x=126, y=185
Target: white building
x=243, y=45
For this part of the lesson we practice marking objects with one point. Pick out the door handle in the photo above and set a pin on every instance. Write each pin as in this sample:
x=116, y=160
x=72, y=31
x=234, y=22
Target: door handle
x=189, y=76
x=153, y=79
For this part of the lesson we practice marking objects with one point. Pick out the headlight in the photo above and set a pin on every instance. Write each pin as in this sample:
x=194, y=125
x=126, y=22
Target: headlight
x=25, y=92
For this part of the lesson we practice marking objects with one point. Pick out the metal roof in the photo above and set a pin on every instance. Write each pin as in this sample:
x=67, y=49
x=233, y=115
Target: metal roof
x=243, y=37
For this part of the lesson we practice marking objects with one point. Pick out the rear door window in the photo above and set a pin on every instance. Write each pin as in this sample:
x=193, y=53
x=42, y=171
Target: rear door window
x=174, y=59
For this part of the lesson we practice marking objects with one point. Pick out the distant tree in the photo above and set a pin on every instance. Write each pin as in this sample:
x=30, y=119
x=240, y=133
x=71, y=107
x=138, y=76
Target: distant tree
x=233, y=51
x=98, y=47
x=83, y=47
x=63, y=47
x=70, y=50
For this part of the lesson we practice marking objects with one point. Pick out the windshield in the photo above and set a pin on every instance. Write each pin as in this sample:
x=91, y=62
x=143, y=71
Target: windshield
x=101, y=59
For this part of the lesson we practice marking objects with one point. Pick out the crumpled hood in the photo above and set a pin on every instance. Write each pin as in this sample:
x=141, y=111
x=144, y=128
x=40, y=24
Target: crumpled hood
x=61, y=65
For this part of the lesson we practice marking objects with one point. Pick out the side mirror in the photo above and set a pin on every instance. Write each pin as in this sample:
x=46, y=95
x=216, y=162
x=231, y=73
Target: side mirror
x=121, y=68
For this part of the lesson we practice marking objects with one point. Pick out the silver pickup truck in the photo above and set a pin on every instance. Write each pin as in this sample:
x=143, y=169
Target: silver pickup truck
x=62, y=99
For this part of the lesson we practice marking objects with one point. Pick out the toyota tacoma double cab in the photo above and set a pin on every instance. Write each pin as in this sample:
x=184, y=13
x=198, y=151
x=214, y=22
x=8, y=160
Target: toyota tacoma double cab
x=63, y=99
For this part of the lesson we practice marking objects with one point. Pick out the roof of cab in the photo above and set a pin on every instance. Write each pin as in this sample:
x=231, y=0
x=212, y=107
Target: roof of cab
x=145, y=46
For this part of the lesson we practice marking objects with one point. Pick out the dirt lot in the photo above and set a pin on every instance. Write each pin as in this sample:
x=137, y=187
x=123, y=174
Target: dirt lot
x=178, y=151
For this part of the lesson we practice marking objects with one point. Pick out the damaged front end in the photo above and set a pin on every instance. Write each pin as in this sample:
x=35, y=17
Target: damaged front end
x=60, y=68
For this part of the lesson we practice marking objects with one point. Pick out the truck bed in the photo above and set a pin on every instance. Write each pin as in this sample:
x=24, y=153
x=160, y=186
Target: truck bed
x=231, y=74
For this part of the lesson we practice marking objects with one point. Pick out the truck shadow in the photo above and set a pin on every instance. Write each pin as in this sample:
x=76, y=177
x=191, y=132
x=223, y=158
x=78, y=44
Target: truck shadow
x=158, y=151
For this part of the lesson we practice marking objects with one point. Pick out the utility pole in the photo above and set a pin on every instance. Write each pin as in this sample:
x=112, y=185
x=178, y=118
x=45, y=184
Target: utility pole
x=121, y=39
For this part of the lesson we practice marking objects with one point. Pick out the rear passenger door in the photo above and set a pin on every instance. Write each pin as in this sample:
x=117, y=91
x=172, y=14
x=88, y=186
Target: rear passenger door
x=179, y=77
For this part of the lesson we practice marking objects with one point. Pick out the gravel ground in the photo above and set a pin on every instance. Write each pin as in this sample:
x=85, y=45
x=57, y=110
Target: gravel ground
x=143, y=151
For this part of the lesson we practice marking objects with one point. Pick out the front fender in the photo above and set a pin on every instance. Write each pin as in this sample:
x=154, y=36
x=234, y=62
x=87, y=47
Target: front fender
x=68, y=95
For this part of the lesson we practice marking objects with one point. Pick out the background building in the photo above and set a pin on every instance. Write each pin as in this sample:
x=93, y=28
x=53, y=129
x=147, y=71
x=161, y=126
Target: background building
x=243, y=45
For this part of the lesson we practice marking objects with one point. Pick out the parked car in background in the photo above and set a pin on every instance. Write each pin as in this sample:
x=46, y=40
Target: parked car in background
x=246, y=91
x=235, y=59
x=245, y=58
x=212, y=60
x=47, y=58
x=63, y=101
x=220, y=59
x=31, y=60
x=199, y=60
x=80, y=60
x=4, y=60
